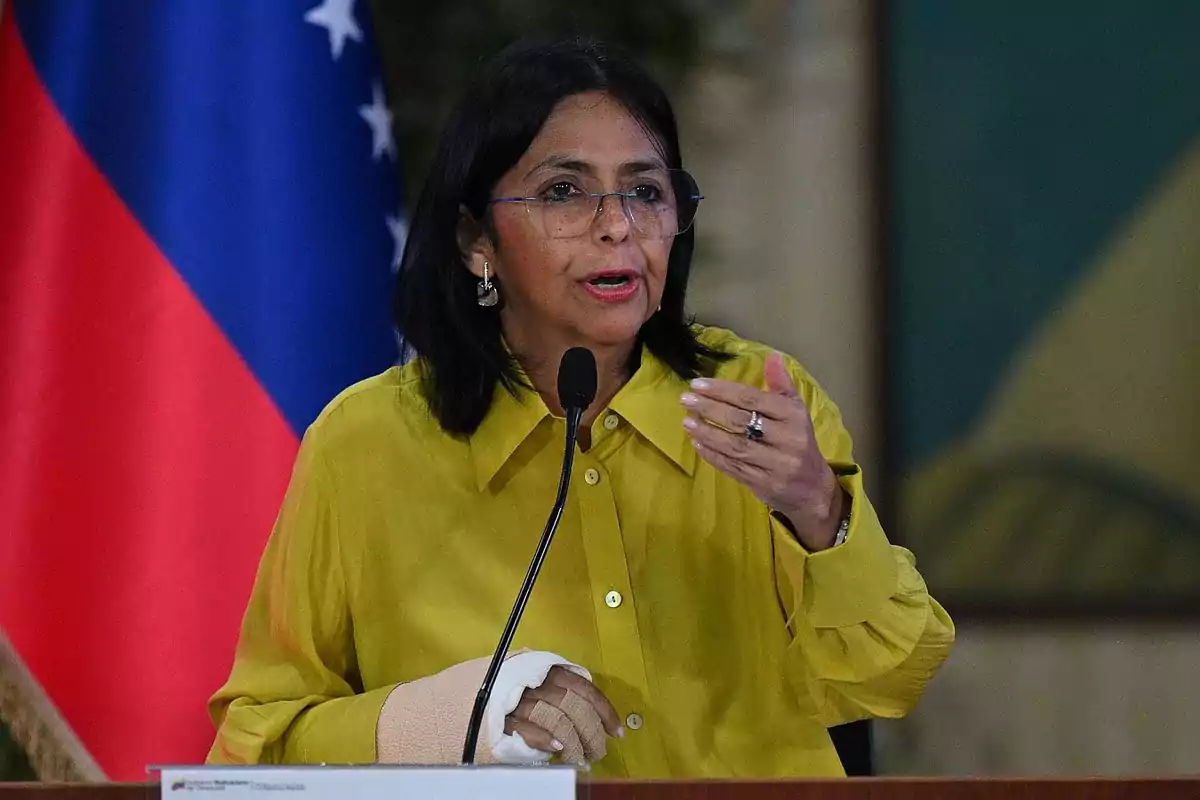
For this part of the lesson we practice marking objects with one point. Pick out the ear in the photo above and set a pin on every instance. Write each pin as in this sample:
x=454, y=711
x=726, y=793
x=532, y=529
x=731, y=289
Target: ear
x=474, y=245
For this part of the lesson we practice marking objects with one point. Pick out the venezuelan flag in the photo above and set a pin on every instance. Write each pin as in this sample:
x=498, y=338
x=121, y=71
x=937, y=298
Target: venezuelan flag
x=198, y=222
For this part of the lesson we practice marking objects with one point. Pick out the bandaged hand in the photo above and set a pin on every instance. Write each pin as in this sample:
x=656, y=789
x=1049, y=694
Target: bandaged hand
x=566, y=715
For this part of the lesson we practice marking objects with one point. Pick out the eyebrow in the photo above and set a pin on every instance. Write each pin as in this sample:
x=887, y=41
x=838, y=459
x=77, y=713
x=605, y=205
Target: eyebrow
x=575, y=165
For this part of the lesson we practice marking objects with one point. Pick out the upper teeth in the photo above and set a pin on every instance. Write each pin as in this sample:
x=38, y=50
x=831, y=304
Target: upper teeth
x=610, y=279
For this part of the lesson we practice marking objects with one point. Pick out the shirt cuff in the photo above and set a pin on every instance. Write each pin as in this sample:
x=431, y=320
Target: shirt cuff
x=337, y=731
x=843, y=585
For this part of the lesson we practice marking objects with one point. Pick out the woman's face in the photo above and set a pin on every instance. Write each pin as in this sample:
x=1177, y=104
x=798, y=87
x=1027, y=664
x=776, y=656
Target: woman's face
x=595, y=288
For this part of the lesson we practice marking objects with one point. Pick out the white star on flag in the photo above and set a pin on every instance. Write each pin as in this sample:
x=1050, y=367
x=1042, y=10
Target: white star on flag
x=379, y=118
x=337, y=17
x=398, y=227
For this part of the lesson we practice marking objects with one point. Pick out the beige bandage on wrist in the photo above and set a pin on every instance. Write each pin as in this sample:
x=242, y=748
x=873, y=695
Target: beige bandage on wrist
x=425, y=722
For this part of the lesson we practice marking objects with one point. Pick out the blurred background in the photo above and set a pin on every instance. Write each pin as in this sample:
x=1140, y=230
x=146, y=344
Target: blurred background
x=978, y=225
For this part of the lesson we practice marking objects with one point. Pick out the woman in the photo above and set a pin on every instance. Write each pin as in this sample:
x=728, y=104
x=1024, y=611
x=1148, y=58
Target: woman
x=720, y=590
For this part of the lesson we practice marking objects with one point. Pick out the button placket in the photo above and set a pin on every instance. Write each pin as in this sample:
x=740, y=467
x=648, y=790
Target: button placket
x=617, y=629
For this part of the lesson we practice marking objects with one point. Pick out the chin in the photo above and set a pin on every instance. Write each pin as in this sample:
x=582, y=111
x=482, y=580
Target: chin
x=613, y=332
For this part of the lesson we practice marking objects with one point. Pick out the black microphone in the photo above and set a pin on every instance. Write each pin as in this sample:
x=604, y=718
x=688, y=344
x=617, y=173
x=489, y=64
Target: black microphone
x=576, y=391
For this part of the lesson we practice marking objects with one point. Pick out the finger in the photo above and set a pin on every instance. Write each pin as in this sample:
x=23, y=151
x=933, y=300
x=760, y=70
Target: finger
x=556, y=721
x=535, y=736
x=778, y=380
x=584, y=718
x=750, y=476
x=547, y=692
x=524, y=707
x=587, y=724
x=717, y=412
x=589, y=692
x=739, y=395
x=759, y=456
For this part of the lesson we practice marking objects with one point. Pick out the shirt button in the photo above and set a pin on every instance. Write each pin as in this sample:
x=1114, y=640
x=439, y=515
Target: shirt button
x=612, y=599
x=592, y=477
x=634, y=722
x=611, y=422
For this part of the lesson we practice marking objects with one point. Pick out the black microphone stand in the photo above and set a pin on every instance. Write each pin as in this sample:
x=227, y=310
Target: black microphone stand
x=574, y=415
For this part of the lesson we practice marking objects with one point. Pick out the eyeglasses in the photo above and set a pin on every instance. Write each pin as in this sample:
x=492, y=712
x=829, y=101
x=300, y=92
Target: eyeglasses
x=658, y=204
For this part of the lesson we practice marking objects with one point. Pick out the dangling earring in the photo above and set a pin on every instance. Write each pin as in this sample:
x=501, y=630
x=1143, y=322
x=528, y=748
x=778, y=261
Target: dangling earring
x=485, y=293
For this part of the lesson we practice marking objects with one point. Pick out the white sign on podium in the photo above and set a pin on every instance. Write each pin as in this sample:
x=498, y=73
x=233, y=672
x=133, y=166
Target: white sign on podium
x=369, y=783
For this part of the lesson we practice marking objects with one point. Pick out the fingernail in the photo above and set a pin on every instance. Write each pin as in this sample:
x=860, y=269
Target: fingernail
x=557, y=745
x=689, y=399
x=690, y=423
x=701, y=384
x=621, y=732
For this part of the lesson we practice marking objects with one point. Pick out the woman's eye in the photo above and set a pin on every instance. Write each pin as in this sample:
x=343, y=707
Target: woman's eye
x=648, y=193
x=558, y=192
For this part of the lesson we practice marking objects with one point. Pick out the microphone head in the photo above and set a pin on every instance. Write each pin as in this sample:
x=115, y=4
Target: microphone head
x=577, y=378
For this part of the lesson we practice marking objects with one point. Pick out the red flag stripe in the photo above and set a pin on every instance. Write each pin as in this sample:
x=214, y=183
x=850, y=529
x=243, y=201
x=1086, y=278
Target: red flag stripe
x=141, y=464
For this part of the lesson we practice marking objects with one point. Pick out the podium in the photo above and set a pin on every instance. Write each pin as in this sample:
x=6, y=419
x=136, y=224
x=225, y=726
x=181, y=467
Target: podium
x=847, y=789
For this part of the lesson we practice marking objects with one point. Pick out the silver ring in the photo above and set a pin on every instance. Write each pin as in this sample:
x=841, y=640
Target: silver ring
x=754, y=428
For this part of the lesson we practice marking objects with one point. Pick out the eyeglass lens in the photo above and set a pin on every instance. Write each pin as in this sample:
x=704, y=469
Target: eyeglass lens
x=657, y=204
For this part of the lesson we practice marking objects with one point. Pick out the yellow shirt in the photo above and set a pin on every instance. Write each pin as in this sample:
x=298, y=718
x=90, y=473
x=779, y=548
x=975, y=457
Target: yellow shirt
x=399, y=550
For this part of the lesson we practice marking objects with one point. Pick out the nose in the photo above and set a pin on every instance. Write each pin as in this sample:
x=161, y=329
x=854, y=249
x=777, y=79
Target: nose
x=612, y=222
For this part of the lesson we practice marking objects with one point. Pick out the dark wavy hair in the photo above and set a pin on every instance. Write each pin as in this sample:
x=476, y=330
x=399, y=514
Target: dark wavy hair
x=462, y=355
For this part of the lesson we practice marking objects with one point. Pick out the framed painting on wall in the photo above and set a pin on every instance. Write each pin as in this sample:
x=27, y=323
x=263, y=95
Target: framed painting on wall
x=1042, y=293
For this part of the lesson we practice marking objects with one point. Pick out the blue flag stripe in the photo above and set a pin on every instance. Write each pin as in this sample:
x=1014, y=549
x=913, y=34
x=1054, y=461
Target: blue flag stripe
x=236, y=138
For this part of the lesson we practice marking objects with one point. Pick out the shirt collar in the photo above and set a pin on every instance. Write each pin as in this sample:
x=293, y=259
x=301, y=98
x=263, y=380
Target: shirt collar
x=507, y=423
x=649, y=402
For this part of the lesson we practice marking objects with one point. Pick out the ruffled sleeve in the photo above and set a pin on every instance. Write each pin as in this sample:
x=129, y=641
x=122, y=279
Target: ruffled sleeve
x=866, y=635
x=293, y=695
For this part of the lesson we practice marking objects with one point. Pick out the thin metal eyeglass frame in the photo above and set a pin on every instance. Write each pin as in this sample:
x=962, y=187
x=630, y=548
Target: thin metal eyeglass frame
x=599, y=198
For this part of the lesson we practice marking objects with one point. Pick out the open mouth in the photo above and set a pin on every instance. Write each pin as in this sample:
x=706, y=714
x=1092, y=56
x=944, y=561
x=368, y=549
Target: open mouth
x=617, y=286
x=610, y=281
